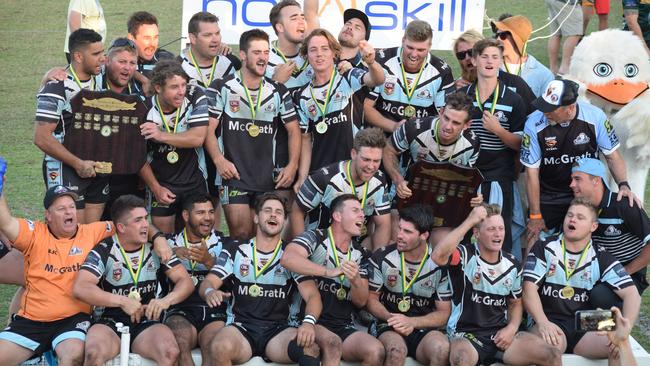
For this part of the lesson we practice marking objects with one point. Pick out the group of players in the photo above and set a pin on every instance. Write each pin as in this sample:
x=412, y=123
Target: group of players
x=295, y=133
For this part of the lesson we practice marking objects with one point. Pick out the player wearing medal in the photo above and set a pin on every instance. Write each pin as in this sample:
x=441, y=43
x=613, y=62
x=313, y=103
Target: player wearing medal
x=340, y=267
x=197, y=246
x=325, y=103
x=54, y=115
x=261, y=294
x=120, y=275
x=498, y=121
x=246, y=112
x=176, y=126
x=486, y=297
x=560, y=273
x=409, y=294
x=360, y=176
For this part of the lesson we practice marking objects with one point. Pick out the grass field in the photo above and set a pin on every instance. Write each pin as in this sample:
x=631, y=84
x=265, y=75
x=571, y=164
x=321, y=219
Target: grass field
x=31, y=41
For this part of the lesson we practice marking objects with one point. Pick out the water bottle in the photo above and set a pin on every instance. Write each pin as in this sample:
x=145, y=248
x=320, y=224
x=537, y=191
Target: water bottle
x=3, y=170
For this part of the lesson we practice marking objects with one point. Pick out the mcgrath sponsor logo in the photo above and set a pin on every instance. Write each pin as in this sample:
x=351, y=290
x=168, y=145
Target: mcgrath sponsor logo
x=565, y=159
x=399, y=110
x=277, y=293
x=244, y=126
x=62, y=270
x=488, y=300
x=579, y=296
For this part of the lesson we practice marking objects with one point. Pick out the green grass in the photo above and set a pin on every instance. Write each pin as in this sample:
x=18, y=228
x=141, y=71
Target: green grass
x=31, y=41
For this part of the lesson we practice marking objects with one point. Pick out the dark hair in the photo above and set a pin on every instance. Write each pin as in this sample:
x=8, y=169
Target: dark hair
x=82, y=37
x=491, y=209
x=337, y=203
x=165, y=69
x=335, y=46
x=459, y=101
x=420, y=215
x=190, y=201
x=274, y=15
x=251, y=35
x=483, y=44
x=123, y=205
x=261, y=200
x=139, y=18
x=582, y=201
x=369, y=137
x=200, y=17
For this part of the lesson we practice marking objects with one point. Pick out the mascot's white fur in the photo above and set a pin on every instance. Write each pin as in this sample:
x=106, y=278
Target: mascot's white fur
x=613, y=70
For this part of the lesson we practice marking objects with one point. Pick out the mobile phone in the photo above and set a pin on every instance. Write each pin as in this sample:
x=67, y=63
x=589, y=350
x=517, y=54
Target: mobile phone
x=594, y=320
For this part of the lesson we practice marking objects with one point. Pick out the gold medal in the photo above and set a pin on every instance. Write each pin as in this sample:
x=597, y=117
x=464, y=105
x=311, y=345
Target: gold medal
x=172, y=157
x=341, y=294
x=409, y=111
x=364, y=230
x=441, y=198
x=135, y=295
x=254, y=290
x=404, y=305
x=254, y=130
x=321, y=127
x=195, y=280
x=567, y=292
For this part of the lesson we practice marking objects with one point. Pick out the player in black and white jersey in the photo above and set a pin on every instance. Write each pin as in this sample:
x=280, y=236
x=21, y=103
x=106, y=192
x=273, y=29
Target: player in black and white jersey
x=409, y=294
x=486, y=296
x=623, y=231
x=560, y=273
x=246, y=112
x=176, y=126
x=120, y=275
x=261, y=295
x=340, y=266
x=498, y=121
x=54, y=115
x=197, y=246
x=325, y=104
x=415, y=82
x=360, y=176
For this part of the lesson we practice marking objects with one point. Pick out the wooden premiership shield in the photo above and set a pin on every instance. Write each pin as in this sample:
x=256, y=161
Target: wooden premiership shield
x=448, y=188
x=105, y=128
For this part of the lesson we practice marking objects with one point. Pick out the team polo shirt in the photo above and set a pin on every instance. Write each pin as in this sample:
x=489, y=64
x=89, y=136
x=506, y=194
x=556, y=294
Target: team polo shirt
x=254, y=157
x=333, y=144
x=622, y=230
x=235, y=267
x=430, y=285
x=145, y=67
x=51, y=266
x=223, y=66
x=391, y=98
x=546, y=267
x=642, y=8
x=189, y=170
x=518, y=85
x=481, y=290
x=496, y=161
x=107, y=263
x=324, y=185
x=420, y=138
x=552, y=148
x=319, y=250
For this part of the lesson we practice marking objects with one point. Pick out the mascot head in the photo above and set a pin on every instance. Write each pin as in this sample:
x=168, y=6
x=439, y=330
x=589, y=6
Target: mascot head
x=613, y=67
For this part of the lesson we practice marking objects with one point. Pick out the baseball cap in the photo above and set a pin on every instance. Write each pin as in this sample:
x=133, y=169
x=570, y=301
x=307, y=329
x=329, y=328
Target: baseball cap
x=558, y=93
x=590, y=166
x=519, y=28
x=55, y=192
x=356, y=13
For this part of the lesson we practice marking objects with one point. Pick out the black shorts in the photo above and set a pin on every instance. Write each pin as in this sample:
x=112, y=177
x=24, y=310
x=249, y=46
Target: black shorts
x=90, y=190
x=234, y=196
x=40, y=337
x=259, y=336
x=343, y=331
x=554, y=216
x=199, y=316
x=488, y=352
x=134, y=329
x=568, y=326
x=412, y=340
x=120, y=185
x=159, y=209
x=4, y=249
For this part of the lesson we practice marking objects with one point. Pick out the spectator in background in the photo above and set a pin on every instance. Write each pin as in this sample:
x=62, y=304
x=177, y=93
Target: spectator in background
x=463, y=51
x=84, y=14
x=637, y=20
x=600, y=7
x=566, y=23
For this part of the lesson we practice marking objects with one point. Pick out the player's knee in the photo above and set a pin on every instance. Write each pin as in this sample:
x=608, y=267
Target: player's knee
x=73, y=358
x=94, y=356
x=221, y=347
x=550, y=356
x=168, y=350
x=460, y=357
x=395, y=354
x=375, y=355
x=331, y=345
x=440, y=350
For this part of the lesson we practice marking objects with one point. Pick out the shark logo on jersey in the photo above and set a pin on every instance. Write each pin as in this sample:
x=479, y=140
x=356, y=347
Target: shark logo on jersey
x=424, y=94
x=117, y=274
x=75, y=250
x=508, y=283
x=500, y=116
x=269, y=107
x=612, y=231
x=83, y=325
x=581, y=139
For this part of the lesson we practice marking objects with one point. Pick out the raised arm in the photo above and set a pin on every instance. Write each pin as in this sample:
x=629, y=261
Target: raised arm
x=444, y=248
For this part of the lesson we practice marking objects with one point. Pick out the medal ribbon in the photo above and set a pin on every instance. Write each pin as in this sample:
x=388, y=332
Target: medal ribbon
x=284, y=58
x=186, y=244
x=108, y=85
x=198, y=69
x=407, y=286
x=582, y=255
x=134, y=275
x=354, y=189
x=438, y=141
x=264, y=267
x=494, y=98
x=335, y=253
x=162, y=116
x=409, y=90
x=323, y=107
x=248, y=96
x=76, y=79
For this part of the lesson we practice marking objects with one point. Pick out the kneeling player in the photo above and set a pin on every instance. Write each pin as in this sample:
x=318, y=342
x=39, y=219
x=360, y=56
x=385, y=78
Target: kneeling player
x=120, y=274
x=262, y=290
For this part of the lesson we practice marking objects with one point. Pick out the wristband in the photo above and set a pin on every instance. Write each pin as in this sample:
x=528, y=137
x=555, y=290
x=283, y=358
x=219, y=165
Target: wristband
x=624, y=183
x=207, y=291
x=156, y=235
x=309, y=319
x=535, y=216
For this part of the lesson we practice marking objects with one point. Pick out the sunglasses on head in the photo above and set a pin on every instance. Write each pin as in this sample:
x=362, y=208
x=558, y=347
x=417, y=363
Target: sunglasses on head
x=502, y=35
x=122, y=42
x=462, y=54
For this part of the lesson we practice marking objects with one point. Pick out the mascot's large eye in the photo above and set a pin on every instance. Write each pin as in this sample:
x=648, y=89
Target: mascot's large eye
x=603, y=69
x=631, y=70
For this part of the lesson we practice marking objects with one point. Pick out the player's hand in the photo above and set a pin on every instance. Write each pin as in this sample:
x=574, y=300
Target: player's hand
x=367, y=52
x=398, y=125
x=533, y=228
x=478, y=214
x=226, y=169
x=286, y=177
x=164, y=196
x=85, y=169
x=623, y=328
x=490, y=122
x=403, y=191
x=150, y=131
x=199, y=253
x=402, y=324
x=476, y=201
x=299, y=181
x=625, y=191
x=182, y=252
x=551, y=333
x=460, y=83
x=351, y=270
x=504, y=337
x=162, y=249
x=56, y=73
x=156, y=307
x=333, y=272
x=283, y=72
x=130, y=306
x=306, y=335
x=343, y=67
x=223, y=49
x=216, y=297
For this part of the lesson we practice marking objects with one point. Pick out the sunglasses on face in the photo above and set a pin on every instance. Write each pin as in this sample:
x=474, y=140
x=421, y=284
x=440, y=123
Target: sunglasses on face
x=122, y=42
x=462, y=54
x=502, y=35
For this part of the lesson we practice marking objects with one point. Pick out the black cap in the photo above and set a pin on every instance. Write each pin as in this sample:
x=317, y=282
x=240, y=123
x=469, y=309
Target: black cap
x=356, y=13
x=55, y=192
x=558, y=93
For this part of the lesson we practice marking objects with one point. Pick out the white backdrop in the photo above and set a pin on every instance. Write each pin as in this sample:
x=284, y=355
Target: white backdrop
x=448, y=18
